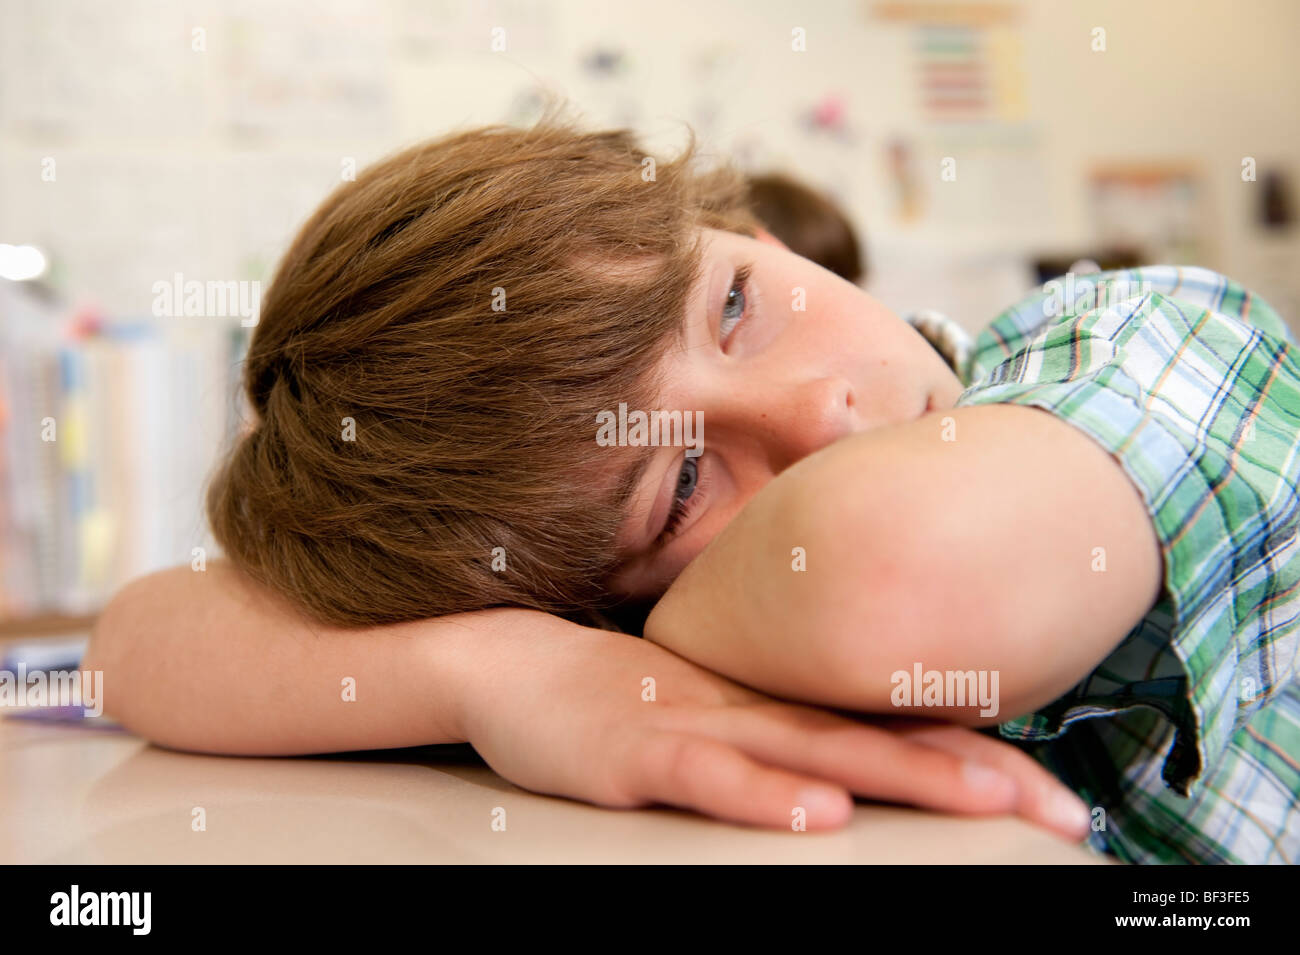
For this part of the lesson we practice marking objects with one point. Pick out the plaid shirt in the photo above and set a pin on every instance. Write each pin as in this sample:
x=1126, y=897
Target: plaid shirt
x=1187, y=736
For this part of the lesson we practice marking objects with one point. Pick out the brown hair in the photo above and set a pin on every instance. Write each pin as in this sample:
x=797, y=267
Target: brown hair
x=474, y=425
x=808, y=223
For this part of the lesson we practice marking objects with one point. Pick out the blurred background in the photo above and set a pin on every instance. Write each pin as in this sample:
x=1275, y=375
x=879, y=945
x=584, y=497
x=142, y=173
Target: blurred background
x=149, y=145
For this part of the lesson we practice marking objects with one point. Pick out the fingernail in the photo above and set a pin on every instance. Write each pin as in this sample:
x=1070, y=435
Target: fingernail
x=985, y=780
x=821, y=802
x=1069, y=812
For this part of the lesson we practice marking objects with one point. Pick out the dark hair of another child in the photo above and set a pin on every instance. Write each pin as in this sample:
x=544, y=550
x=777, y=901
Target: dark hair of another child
x=809, y=224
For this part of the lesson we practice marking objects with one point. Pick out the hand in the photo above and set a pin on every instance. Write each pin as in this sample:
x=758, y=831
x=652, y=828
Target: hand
x=563, y=713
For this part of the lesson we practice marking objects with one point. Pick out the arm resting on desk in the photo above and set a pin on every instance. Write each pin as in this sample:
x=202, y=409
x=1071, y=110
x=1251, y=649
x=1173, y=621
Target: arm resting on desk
x=970, y=554
x=214, y=662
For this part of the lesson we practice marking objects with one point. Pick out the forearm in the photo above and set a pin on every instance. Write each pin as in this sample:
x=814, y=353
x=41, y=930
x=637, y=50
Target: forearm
x=213, y=662
x=977, y=554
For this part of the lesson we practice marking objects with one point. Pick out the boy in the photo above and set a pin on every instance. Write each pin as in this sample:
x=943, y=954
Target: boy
x=473, y=304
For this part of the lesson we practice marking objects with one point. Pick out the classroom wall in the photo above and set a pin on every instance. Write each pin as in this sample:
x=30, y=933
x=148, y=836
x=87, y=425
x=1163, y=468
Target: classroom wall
x=171, y=159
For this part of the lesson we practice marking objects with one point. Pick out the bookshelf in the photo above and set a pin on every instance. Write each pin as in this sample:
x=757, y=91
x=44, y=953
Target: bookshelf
x=110, y=428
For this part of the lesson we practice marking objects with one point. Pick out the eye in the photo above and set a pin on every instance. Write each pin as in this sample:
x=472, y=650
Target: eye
x=688, y=479
x=735, y=305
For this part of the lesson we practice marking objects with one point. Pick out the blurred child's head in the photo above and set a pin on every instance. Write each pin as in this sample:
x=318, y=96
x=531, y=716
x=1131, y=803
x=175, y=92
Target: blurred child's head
x=808, y=223
x=442, y=337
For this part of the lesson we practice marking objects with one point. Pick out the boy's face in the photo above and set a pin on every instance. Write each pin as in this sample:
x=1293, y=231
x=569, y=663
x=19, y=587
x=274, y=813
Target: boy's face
x=795, y=361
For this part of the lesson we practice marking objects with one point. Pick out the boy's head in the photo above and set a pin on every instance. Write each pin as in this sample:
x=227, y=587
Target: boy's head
x=436, y=345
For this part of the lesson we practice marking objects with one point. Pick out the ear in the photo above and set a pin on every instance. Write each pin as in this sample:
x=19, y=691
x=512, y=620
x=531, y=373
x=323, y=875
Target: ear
x=764, y=236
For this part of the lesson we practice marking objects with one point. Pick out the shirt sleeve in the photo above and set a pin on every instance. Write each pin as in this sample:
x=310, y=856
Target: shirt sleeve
x=1201, y=408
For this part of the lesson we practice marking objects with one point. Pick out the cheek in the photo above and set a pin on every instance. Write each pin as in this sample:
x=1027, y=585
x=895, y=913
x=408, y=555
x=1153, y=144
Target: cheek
x=887, y=376
x=846, y=333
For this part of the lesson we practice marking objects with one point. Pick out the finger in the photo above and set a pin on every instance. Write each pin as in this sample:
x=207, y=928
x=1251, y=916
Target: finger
x=703, y=774
x=1043, y=798
x=868, y=760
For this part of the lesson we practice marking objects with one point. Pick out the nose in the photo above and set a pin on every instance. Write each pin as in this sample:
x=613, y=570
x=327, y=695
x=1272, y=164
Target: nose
x=803, y=417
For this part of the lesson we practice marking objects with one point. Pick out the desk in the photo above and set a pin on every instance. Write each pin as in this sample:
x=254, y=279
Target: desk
x=71, y=794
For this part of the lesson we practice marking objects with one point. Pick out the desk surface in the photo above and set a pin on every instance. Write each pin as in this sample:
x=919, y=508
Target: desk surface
x=71, y=794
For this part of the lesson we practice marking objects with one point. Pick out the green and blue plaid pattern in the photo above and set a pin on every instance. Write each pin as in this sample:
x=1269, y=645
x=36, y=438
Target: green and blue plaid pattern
x=1187, y=736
